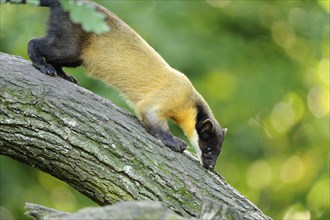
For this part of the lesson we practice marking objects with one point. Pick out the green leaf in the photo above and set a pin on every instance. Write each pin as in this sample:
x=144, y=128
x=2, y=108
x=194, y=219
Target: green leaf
x=11, y=1
x=66, y=4
x=86, y=15
x=33, y=2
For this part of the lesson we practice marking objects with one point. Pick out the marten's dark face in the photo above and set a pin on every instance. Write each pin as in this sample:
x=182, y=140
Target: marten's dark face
x=211, y=136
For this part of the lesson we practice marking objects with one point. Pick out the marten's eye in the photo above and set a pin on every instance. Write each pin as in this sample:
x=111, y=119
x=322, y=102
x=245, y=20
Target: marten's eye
x=209, y=151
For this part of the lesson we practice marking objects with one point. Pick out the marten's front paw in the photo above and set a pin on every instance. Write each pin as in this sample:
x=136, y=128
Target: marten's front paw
x=176, y=144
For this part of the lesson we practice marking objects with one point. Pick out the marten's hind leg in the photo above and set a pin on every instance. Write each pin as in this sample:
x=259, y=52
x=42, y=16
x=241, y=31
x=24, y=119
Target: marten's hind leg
x=35, y=48
x=49, y=55
x=64, y=75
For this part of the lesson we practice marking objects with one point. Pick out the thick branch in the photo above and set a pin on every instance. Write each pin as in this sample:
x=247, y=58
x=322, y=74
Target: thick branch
x=98, y=148
x=120, y=210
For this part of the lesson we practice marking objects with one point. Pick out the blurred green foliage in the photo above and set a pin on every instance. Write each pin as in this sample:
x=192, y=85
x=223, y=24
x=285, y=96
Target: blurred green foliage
x=263, y=67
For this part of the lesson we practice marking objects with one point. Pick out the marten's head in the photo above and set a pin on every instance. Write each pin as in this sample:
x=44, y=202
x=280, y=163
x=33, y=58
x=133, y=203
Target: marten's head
x=210, y=137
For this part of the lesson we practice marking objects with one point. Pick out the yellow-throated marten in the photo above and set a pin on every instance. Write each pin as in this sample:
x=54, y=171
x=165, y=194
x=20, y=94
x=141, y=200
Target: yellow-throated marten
x=124, y=60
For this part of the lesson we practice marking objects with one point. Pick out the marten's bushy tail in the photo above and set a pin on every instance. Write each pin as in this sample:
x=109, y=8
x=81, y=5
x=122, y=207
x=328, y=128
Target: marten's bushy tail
x=44, y=3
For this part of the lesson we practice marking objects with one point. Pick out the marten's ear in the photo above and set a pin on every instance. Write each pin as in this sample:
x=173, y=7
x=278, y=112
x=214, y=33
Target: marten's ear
x=207, y=126
x=206, y=129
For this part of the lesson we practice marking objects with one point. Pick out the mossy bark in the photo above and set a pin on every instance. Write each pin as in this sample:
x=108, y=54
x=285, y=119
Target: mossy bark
x=101, y=150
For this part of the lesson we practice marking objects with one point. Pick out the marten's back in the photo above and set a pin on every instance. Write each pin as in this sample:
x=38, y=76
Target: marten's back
x=123, y=59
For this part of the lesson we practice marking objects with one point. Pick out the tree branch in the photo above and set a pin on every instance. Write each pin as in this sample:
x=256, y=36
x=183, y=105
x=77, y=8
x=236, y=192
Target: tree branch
x=120, y=210
x=99, y=149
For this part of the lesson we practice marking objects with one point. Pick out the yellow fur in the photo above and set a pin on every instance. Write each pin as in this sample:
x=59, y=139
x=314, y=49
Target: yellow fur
x=124, y=60
x=183, y=118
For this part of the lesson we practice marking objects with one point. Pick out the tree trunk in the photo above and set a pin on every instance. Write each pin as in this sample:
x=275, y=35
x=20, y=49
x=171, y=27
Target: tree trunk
x=101, y=150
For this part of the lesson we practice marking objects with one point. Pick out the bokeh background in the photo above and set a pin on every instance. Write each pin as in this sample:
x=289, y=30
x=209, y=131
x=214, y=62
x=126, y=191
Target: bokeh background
x=263, y=67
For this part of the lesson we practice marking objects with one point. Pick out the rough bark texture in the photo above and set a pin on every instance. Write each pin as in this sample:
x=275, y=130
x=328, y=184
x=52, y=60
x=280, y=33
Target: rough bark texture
x=121, y=210
x=101, y=150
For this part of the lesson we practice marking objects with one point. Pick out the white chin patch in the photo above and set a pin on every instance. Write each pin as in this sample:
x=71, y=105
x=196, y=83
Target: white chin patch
x=194, y=142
